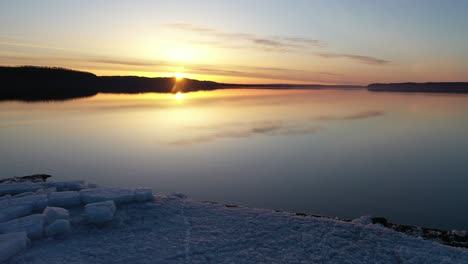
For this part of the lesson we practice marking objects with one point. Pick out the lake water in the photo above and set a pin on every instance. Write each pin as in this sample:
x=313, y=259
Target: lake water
x=328, y=152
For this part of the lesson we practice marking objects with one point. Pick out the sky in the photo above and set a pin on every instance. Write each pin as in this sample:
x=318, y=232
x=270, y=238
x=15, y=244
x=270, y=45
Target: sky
x=255, y=41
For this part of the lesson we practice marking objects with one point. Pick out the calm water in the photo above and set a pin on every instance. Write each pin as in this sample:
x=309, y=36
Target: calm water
x=329, y=152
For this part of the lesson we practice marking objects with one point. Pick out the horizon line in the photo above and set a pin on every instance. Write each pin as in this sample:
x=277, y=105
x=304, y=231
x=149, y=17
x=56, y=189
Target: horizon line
x=223, y=83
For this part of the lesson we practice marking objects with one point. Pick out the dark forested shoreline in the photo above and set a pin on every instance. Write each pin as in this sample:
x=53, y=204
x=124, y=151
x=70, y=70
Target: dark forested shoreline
x=38, y=83
x=31, y=83
x=430, y=87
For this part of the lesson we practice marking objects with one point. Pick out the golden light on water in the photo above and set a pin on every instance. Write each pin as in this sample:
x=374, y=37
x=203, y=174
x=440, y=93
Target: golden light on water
x=179, y=96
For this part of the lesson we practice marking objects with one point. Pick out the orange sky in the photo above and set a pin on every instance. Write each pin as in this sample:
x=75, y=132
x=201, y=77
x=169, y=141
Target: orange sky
x=323, y=42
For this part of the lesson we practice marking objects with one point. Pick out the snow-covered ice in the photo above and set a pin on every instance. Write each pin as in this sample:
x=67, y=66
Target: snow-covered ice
x=33, y=225
x=54, y=213
x=66, y=185
x=46, y=190
x=12, y=212
x=17, y=188
x=143, y=195
x=172, y=229
x=24, y=194
x=169, y=230
x=11, y=244
x=118, y=195
x=37, y=202
x=5, y=197
x=58, y=227
x=363, y=220
x=100, y=212
x=65, y=199
x=92, y=185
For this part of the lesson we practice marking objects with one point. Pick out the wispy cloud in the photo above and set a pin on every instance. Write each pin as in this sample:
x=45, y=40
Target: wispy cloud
x=266, y=73
x=362, y=115
x=30, y=45
x=354, y=57
x=273, y=73
x=223, y=39
x=269, y=43
x=136, y=64
x=127, y=62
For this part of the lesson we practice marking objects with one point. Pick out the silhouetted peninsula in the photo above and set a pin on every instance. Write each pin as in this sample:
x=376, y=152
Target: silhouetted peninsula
x=430, y=87
x=29, y=83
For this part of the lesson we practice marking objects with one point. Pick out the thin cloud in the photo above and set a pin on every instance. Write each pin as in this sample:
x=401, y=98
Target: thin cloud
x=34, y=46
x=354, y=57
x=126, y=62
x=362, y=115
x=109, y=63
x=268, y=43
x=314, y=42
x=273, y=73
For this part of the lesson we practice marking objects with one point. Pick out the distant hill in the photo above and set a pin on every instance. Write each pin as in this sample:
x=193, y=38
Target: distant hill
x=430, y=87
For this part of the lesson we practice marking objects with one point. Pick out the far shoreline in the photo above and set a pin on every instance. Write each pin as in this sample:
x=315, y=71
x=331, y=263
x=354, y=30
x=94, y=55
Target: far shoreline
x=32, y=83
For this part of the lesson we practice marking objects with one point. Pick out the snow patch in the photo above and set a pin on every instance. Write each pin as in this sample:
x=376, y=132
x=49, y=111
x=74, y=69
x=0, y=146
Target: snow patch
x=178, y=195
x=363, y=220
x=118, y=195
x=65, y=199
x=100, y=212
x=37, y=201
x=12, y=243
x=17, y=188
x=24, y=194
x=143, y=195
x=33, y=225
x=459, y=233
x=13, y=212
x=59, y=227
x=93, y=185
x=46, y=190
x=67, y=185
x=52, y=214
x=5, y=197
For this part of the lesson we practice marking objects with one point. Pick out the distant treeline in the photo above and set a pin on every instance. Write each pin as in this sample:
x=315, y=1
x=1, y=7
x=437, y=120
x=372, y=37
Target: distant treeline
x=430, y=87
x=39, y=83
x=134, y=84
x=30, y=83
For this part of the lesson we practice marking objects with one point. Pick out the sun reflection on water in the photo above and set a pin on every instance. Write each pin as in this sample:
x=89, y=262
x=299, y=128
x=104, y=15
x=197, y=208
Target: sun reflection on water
x=179, y=96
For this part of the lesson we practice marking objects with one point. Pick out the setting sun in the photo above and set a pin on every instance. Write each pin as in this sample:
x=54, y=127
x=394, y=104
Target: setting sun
x=179, y=76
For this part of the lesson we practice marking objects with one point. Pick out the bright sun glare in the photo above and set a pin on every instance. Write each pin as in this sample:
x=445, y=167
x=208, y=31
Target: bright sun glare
x=179, y=96
x=179, y=76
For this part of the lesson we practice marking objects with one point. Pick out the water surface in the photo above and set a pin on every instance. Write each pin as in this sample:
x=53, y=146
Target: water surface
x=329, y=152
